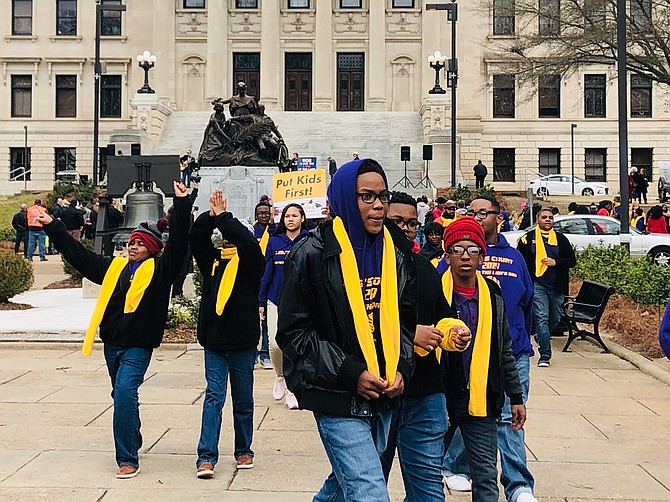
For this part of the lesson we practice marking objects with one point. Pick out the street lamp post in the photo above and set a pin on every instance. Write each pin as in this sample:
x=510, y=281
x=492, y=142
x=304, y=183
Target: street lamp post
x=437, y=62
x=25, y=157
x=97, y=69
x=572, y=154
x=623, y=120
x=146, y=61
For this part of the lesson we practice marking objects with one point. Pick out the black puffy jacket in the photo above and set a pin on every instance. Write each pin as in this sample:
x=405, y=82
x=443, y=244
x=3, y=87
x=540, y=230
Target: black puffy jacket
x=322, y=356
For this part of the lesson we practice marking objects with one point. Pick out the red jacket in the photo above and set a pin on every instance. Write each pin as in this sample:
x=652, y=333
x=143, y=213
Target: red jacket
x=657, y=226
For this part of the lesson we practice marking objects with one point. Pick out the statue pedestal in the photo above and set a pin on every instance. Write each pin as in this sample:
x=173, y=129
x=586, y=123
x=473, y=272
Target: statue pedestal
x=241, y=185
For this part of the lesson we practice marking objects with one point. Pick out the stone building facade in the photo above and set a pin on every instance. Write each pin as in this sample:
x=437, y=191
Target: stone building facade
x=339, y=56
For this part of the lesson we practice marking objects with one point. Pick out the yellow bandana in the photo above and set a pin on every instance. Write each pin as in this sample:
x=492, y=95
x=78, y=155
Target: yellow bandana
x=481, y=352
x=540, y=251
x=389, y=314
x=228, y=277
x=138, y=285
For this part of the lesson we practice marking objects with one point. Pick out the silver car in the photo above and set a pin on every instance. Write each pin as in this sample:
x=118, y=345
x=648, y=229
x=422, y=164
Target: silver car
x=584, y=229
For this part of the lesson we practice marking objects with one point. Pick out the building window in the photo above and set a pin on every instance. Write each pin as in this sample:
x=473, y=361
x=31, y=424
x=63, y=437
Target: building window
x=22, y=95
x=503, y=96
x=351, y=4
x=246, y=4
x=594, y=95
x=22, y=17
x=66, y=17
x=549, y=18
x=595, y=164
x=110, y=96
x=503, y=17
x=642, y=158
x=503, y=164
x=197, y=4
x=17, y=164
x=640, y=13
x=403, y=4
x=66, y=95
x=550, y=161
x=110, y=21
x=298, y=4
x=550, y=96
x=66, y=164
x=640, y=96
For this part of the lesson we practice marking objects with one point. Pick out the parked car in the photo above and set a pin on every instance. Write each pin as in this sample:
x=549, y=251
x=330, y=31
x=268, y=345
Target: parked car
x=561, y=184
x=584, y=229
x=663, y=181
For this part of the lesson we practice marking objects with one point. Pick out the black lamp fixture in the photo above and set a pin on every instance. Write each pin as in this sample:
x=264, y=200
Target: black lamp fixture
x=146, y=61
x=437, y=63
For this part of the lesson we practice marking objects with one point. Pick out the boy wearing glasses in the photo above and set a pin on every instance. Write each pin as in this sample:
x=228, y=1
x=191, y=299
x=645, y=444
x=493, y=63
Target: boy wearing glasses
x=478, y=378
x=505, y=265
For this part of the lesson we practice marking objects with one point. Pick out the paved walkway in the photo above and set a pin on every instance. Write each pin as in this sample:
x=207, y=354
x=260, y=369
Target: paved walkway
x=598, y=428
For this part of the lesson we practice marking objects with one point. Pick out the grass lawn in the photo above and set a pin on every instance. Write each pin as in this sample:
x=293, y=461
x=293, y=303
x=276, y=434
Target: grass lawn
x=10, y=205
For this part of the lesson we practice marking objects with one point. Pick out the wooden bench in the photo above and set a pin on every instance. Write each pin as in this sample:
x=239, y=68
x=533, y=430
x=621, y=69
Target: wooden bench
x=586, y=308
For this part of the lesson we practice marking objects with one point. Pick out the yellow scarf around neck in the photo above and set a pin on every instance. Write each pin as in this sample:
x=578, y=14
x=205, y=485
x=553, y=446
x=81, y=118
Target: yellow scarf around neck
x=481, y=352
x=228, y=277
x=389, y=314
x=138, y=285
x=263, y=243
x=541, y=251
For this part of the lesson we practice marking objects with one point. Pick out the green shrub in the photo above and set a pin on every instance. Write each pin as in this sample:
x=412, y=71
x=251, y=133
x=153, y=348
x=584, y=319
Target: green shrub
x=68, y=269
x=70, y=189
x=460, y=193
x=16, y=275
x=7, y=234
x=183, y=312
x=487, y=191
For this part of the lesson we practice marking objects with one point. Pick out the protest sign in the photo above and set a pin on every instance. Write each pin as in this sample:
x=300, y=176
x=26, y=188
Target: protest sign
x=307, y=188
x=306, y=163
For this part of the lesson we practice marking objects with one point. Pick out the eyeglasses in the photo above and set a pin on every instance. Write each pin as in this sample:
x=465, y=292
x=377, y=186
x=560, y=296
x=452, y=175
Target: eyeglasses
x=451, y=208
x=411, y=224
x=439, y=234
x=471, y=250
x=370, y=197
x=481, y=214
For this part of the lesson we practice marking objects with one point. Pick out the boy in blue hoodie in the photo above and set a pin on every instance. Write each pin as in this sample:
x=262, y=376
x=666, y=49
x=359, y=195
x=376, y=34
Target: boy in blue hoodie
x=506, y=266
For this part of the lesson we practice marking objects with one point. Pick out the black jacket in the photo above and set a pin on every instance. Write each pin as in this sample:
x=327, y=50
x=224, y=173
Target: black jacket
x=429, y=252
x=72, y=218
x=503, y=377
x=332, y=167
x=20, y=222
x=480, y=170
x=238, y=327
x=144, y=327
x=565, y=261
x=322, y=356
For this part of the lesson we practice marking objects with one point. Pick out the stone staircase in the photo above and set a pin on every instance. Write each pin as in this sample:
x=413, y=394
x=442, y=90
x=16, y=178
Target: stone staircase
x=318, y=134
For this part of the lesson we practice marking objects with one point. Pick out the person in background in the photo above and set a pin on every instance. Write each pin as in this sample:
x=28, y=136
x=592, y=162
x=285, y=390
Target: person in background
x=481, y=172
x=642, y=181
x=555, y=211
x=290, y=230
x=36, y=235
x=228, y=329
x=20, y=225
x=332, y=166
x=604, y=208
x=440, y=204
x=354, y=156
x=632, y=184
x=432, y=250
x=638, y=220
x=656, y=221
x=59, y=207
x=448, y=215
x=572, y=207
x=666, y=215
x=616, y=207
x=664, y=332
x=421, y=210
x=73, y=219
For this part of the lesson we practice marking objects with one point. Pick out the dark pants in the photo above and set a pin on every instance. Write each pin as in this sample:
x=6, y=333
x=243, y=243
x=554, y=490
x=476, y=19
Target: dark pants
x=186, y=176
x=479, y=182
x=21, y=237
x=481, y=448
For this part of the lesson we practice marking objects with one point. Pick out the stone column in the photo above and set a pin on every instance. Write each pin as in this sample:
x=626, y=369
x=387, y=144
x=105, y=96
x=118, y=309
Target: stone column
x=164, y=48
x=217, y=50
x=271, y=64
x=377, y=57
x=323, y=77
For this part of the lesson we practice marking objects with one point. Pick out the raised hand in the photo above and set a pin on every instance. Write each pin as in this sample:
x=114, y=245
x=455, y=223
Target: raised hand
x=179, y=189
x=44, y=218
x=217, y=202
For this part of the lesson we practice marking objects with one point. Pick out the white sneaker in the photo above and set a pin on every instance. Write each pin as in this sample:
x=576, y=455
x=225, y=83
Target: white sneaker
x=266, y=364
x=291, y=401
x=526, y=497
x=279, y=388
x=458, y=483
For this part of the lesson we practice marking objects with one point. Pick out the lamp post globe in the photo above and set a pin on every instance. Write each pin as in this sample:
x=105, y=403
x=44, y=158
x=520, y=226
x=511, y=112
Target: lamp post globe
x=146, y=61
x=437, y=63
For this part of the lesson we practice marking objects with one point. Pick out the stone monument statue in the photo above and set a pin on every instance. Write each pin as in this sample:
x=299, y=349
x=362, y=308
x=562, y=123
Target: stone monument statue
x=248, y=137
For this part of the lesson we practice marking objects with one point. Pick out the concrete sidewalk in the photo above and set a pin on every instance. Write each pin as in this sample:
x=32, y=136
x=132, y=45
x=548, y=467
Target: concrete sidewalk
x=597, y=430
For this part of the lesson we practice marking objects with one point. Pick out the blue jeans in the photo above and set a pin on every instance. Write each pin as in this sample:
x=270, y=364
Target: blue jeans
x=478, y=435
x=353, y=446
x=36, y=237
x=418, y=428
x=547, y=308
x=239, y=364
x=420, y=236
x=515, y=476
x=186, y=176
x=264, y=353
x=126, y=367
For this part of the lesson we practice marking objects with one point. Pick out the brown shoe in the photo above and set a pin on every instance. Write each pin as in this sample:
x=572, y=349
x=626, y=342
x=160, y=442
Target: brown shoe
x=127, y=472
x=205, y=470
x=245, y=462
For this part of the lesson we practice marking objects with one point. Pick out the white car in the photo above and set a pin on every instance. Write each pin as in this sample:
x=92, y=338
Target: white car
x=584, y=229
x=561, y=184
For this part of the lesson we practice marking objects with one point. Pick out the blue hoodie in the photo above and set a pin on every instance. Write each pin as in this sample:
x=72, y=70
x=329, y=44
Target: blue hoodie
x=258, y=230
x=278, y=249
x=505, y=265
x=664, y=332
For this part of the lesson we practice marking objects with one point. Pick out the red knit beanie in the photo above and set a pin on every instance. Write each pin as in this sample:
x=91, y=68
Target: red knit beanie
x=465, y=228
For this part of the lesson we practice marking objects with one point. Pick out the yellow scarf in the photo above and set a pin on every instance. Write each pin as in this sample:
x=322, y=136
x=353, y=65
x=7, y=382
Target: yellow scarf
x=138, y=285
x=445, y=325
x=540, y=251
x=435, y=261
x=389, y=314
x=228, y=277
x=481, y=352
x=263, y=243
